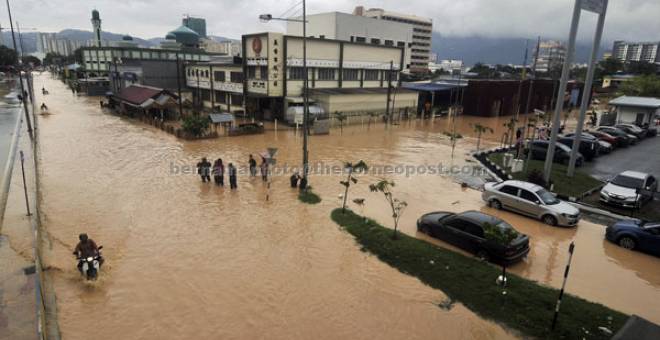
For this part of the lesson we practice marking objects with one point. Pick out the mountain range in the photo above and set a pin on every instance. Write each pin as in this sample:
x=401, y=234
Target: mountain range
x=471, y=50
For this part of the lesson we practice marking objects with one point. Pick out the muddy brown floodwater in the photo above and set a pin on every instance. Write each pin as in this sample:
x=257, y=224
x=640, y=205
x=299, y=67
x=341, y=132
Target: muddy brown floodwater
x=190, y=260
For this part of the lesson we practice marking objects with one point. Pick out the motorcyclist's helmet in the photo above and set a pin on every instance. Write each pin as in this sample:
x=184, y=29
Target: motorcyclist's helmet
x=83, y=237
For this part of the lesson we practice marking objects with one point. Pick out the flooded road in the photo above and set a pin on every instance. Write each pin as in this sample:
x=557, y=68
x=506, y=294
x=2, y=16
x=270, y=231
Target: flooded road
x=187, y=259
x=190, y=260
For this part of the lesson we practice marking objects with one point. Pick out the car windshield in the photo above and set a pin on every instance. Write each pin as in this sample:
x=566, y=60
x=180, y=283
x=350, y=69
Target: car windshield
x=628, y=182
x=547, y=197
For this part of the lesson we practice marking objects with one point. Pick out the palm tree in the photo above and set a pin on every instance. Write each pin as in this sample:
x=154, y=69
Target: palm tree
x=511, y=126
x=480, y=129
x=340, y=116
x=351, y=168
x=396, y=205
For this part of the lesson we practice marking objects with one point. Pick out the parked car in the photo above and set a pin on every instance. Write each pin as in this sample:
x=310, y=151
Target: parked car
x=588, y=145
x=531, y=200
x=637, y=235
x=632, y=139
x=604, y=147
x=539, y=149
x=633, y=130
x=475, y=232
x=616, y=141
x=629, y=189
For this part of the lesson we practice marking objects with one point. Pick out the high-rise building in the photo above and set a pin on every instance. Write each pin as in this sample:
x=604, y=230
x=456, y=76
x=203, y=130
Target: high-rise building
x=196, y=24
x=551, y=55
x=50, y=43
x=360, y=29
x=636, y=51
x=96, y=24
x=422, y=32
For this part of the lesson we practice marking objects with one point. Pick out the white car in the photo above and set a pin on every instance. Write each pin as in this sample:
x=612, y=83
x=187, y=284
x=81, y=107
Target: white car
x=629, y=189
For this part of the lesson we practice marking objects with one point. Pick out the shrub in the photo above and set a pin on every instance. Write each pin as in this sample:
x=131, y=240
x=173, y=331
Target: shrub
x=195, y=125
x=536, y=176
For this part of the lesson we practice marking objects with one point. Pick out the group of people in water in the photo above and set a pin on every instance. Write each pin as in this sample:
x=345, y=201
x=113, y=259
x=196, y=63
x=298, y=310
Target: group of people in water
x=217, y=170
x=205, y=170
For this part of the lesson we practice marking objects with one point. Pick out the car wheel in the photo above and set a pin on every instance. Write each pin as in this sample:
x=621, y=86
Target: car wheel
x=482, y=255
x=627, y=242
x=496, y=204
x=549, y=220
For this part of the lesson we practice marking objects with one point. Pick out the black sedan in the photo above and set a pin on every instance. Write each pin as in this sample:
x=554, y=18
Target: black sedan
x=633, y=234
x=539, y=149
x=487, y=236
x=589, y=146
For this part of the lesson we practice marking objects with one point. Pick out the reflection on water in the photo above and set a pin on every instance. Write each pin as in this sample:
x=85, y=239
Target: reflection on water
x=189, y=260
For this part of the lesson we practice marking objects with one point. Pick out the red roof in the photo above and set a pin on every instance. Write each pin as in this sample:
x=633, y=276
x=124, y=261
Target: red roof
x=139, y=94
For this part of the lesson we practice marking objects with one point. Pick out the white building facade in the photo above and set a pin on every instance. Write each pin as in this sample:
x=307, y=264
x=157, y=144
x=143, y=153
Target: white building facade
x=354, y=28
x=551, y=54
x=636, y=51
x=421, y=38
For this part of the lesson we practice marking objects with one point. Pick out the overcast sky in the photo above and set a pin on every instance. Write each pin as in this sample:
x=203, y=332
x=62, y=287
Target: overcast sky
x=626, y=19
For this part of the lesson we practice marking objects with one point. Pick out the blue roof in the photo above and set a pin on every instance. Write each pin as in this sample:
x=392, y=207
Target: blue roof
x=431, y=87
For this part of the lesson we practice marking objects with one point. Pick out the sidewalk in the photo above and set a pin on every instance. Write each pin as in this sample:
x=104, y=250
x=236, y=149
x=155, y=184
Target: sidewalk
x=18, y=278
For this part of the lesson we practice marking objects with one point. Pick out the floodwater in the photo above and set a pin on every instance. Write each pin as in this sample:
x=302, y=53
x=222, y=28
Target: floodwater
x=187, y=259
x=190, y=260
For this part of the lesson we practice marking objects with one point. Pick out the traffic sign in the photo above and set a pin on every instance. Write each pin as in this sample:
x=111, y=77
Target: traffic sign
x=596, y=6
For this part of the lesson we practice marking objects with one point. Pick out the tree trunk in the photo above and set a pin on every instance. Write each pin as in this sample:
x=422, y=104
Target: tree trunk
x=478, y=140
x=348, y=183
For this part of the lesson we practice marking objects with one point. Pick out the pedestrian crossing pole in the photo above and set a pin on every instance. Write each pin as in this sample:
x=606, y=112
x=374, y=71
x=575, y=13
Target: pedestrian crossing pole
x=571, y=248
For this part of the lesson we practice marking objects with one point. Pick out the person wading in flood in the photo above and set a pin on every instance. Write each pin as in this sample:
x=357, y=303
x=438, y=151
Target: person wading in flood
x=204, y=170
x=232, y=176
x=264, y=169
x=253, y=166
x=86, y=248
x=294, y=180
x=219, y=172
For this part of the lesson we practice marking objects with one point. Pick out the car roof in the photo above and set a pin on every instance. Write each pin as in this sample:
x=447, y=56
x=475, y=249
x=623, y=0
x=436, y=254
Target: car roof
x=524, y=185
x=634, y=174
x=480, y=218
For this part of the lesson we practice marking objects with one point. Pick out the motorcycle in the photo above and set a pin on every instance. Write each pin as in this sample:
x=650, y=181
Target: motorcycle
x=89, y=266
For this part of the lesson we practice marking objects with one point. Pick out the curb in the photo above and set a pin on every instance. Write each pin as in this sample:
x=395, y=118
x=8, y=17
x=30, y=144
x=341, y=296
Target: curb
x=601, y=212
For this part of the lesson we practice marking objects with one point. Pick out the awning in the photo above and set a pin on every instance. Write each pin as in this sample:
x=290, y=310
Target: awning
x=431, y=87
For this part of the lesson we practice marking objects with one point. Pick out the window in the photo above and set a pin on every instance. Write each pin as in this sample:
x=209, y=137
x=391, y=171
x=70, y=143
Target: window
x=352, y=38
x=326, y=74
x=350, y=74
x=252, y=72
x=375, y=41
x=296, y=73
x=236, y=99
x=263, y=70
x=526, y=195
x=206, y=94
x=220, y=97
x=457, y=224
x=474, y=230
x=361, y=39
x=389, y=42
x=401, y=44
x=219, y=76
x=507, y=189
x=321, y=36
x=236, y=77
x=206, y=74
x=650, y=181
x=370, y=75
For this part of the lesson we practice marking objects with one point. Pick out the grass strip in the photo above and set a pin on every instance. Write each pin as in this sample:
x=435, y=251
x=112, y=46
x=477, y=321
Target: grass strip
x=565, y=186
x=309, y=197
x=527, y=307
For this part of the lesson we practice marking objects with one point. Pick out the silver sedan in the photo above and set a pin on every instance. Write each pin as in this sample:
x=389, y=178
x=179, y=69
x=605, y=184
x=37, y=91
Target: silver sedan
x=531, y=200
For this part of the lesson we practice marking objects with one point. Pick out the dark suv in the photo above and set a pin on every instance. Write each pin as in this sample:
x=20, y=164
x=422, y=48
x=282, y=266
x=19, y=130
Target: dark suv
x=539, y=149
x=588, y=145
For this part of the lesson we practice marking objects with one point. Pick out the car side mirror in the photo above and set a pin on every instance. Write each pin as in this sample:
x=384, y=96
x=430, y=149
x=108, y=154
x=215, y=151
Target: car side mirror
x=537, y=202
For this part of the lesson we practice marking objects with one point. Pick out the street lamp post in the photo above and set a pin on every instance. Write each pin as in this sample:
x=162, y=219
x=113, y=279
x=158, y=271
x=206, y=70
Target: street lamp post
x=268, y=17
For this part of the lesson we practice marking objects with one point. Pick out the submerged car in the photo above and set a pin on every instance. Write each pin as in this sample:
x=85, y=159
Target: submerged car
x=531, y=200
x=489, y=237
x=539, y=149
x=637, y=235
x=629, y=189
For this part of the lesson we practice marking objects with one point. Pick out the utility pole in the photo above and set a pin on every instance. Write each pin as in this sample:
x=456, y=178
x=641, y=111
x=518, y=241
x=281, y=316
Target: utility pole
x=305, y=96
x=529, y=101
x=559, y=104
x=389, y=93
x=586, y=92
x=178, y=85
x=20, y=76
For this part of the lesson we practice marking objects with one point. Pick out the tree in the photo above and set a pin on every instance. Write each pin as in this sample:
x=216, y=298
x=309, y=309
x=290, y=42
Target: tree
x=351, y=168
x=51, y=58
x=610, y=66
x=642, y=86
x=340, y=116
x=396, y=205
x=29, y=59
x=8, y=57
x=453, y=137
x=511, y=126
x=195, y=125
x=480, y=129
x=641, y=68
x=484, y=71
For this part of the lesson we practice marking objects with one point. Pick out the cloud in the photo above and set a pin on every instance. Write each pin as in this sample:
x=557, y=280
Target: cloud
x=626, y=19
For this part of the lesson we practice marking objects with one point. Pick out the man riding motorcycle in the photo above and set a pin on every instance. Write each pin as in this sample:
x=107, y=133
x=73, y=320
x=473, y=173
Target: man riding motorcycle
x=86, y=248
